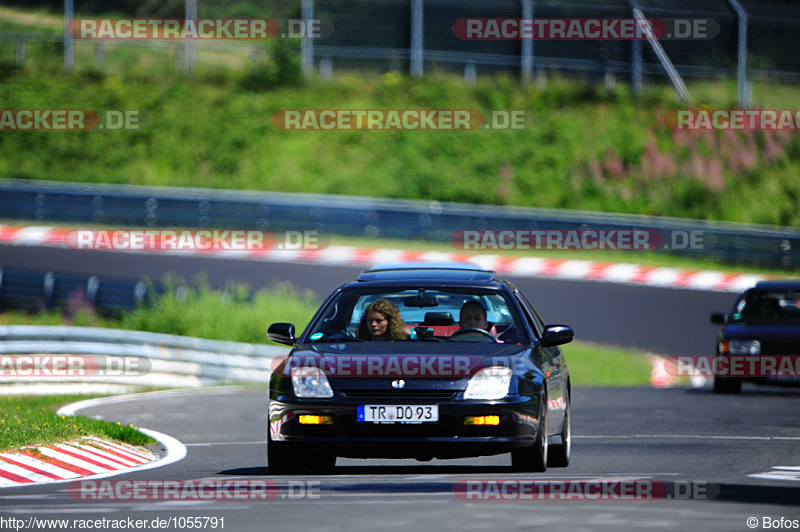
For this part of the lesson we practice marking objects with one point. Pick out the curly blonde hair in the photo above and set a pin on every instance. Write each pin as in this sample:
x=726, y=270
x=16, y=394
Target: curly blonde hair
x=395, y=330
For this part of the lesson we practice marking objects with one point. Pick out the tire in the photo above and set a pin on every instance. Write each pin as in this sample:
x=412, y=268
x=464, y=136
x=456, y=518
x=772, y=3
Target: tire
x=558, y=455
x=533, y=459
x=319, y=463
x=727, y=385
x=282, y=459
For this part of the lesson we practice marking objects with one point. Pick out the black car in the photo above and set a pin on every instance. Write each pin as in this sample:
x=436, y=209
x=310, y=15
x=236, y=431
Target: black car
x=760, y=340
x=439, y=391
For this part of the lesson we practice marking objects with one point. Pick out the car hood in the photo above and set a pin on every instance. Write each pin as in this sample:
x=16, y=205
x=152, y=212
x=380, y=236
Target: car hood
x=761, y=332
x=420, y=365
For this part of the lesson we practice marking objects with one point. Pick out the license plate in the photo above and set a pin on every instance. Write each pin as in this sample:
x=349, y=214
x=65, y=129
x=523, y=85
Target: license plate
x=398, y=413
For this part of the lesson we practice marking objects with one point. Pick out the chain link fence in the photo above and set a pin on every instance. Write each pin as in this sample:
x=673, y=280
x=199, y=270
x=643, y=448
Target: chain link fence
x=759, y=39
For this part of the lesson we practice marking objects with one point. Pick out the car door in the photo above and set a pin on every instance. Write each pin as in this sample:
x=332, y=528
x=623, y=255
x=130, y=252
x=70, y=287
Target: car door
x=551, y=362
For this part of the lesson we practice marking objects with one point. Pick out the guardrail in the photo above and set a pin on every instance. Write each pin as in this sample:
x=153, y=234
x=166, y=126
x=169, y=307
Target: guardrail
x=38, y=290
x=129, y=358
x=127, y=205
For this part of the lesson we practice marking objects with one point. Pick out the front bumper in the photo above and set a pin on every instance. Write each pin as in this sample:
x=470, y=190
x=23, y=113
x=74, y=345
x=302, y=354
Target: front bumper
x=450, y=437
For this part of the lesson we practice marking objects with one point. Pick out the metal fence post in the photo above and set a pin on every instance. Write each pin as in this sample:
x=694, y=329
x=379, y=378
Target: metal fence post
x=190, y=58
x=470, y=73
x=636, y=64
x=307, y=44
x=325, y=69
x=19, y=51
x=99, y=55
x=527, y=44
x=417, y=51
x=743, y=92
x=69, y=52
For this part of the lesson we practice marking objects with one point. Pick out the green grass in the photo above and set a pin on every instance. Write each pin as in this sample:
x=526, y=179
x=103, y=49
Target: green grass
x=234, y=313
x=587, y=148
x=600, y=365
x=33, y=421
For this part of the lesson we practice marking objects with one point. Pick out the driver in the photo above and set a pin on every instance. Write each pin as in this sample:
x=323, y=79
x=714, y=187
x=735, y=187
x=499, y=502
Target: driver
x=473, y=316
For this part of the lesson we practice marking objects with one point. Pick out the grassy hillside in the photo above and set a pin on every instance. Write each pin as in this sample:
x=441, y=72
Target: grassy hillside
x=585, y=147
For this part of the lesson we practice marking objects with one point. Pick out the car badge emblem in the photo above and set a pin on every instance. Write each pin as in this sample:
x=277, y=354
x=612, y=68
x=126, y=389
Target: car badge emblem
x=400, y=383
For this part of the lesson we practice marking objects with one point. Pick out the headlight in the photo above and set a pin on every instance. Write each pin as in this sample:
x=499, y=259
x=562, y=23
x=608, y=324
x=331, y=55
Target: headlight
x=489, y=383
x=742, y=347
x=310, y=382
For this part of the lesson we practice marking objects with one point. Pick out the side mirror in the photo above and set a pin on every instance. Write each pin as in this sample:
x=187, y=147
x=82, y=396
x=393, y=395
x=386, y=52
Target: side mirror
x=718, y=318
x=282, y=333
x=556, y=335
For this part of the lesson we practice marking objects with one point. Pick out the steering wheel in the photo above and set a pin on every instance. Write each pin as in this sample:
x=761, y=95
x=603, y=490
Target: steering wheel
x=478, y=334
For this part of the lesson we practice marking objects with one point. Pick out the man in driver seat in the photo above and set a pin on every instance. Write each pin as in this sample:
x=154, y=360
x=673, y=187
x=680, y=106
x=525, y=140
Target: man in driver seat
x=473, y=316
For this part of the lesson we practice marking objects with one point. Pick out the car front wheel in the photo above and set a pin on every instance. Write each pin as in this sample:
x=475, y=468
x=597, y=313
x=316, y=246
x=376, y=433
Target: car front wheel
x=533, y=459
x=282, y=459
x=727, y=385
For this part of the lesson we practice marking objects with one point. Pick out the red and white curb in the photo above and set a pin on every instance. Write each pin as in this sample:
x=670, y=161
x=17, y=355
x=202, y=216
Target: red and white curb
x=89, y=457
x=586, y=270
x=68, y=460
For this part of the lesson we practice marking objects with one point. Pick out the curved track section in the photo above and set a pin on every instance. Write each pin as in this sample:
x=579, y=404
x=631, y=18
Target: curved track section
x=710, y=461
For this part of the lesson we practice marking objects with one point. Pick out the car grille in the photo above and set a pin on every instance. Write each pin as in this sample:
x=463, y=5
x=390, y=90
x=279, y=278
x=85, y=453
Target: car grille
x=432, y=395
x=772, y=347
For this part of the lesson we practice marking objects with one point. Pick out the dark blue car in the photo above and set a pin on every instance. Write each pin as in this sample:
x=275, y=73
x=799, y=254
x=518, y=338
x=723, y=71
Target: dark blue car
x=440, y=388
x=760, y=340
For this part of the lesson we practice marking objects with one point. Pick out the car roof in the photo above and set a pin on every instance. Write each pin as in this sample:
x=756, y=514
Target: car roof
x=784, y=284
x=428, y=271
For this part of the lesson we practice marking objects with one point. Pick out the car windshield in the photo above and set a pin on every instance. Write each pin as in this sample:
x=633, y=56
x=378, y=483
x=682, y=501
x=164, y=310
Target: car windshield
x=427, y=314
x=779, y=307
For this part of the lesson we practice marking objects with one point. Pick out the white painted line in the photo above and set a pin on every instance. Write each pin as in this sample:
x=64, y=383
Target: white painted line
x=133, y=455
x=575, y=269
x=663, y=276
x=621, y=272
x=487, y=262
x=82, y=451
x=778, y=475
x=527, y=266
x=42, y=465
x=676, y=436
x=213, y=443
x=33, y=235
x=63, y=457
x=176, y=451
x=30, y=475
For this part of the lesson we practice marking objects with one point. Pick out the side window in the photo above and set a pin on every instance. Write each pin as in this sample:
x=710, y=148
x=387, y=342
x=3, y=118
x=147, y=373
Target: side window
x=530, y=314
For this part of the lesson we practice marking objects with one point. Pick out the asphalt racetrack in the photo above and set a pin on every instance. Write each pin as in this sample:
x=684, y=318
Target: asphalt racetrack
x=643, y=458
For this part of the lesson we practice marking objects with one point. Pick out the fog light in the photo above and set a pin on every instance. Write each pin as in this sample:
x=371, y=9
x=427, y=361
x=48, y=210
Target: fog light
x=310, y=419
x=482, y=420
